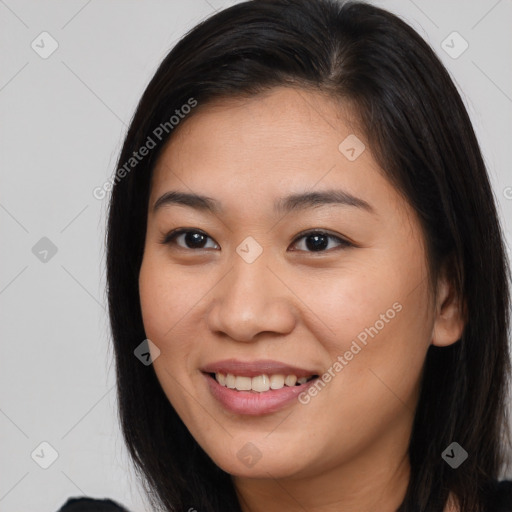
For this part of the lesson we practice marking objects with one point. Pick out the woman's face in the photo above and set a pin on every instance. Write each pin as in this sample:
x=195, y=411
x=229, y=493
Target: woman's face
x=249, y=283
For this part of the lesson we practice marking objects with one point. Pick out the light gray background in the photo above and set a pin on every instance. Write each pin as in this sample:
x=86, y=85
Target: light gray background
x=62, y=123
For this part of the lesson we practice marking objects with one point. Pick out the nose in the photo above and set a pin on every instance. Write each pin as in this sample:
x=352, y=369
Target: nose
x=249, y=301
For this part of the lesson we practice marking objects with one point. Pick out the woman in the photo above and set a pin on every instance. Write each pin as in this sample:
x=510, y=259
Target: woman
x=303, y=241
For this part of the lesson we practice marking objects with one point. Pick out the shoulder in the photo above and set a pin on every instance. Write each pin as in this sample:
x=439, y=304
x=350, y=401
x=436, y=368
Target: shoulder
x=501, y=499
x=91, y=505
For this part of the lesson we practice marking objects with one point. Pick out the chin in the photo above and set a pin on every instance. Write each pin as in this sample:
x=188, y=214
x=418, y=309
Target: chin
x=249, y=462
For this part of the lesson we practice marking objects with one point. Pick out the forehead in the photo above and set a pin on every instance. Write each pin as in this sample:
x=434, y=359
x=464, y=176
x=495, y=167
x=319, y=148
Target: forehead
x=255, y=150
x=284, y=125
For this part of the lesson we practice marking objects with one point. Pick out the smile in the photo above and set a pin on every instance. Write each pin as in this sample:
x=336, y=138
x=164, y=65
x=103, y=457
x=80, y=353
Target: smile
x=253, y=402
x=260, y=383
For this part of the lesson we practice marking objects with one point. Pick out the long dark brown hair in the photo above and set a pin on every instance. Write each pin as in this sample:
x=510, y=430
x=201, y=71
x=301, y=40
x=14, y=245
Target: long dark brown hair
x=420, y=133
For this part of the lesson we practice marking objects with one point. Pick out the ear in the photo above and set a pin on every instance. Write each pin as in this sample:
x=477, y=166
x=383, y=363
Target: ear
x=449, y=319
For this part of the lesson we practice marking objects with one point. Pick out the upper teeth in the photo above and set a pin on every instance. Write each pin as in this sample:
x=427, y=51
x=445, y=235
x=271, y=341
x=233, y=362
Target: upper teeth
x=260, y=383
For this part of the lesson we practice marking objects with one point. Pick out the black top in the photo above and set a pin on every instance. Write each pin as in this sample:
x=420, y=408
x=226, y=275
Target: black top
x=91, y=505
x=501, y=501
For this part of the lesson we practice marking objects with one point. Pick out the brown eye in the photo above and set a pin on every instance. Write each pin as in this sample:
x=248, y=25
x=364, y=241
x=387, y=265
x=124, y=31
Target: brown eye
x=190, y=239
x=318, y=241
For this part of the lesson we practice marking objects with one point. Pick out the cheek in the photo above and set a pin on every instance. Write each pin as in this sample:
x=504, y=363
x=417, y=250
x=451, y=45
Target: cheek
x=374, y=361
x=350, y=303
x=167, y=295
x=378, y=321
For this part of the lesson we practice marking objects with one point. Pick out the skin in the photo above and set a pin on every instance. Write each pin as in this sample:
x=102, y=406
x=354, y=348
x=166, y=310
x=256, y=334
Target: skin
x=346, y=450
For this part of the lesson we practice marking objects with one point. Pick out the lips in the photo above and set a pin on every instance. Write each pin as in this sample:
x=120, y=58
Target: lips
x=256, y=368
x=251, y=403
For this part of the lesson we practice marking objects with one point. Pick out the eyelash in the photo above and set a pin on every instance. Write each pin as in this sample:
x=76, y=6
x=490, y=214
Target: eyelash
x=170, y=238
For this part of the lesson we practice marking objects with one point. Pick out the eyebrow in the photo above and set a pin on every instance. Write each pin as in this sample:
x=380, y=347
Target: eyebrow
x=284, y=205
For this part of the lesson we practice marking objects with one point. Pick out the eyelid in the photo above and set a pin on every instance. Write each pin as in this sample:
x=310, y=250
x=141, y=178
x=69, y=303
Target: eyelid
x=344, y=243
x=168, y=237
